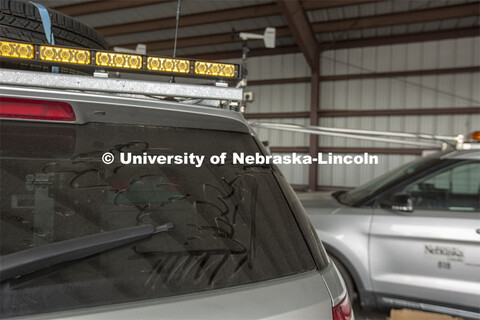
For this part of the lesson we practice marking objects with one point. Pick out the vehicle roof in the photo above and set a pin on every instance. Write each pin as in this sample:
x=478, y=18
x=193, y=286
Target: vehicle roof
x=460, y=154
x=134, y=109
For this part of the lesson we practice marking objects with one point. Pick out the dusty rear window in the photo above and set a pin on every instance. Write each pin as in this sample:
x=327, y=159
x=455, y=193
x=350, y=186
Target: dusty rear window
x=232, y=224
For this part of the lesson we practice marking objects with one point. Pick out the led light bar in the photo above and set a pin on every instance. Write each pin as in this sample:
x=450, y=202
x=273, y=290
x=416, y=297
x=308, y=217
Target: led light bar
x=214, y=69
x=168, y=65
x=54, y=55
x=17, y=50
x=65, y=55
x=118, y=60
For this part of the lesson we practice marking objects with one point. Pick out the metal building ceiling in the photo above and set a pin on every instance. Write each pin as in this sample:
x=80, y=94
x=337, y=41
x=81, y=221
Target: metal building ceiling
x=206, y=25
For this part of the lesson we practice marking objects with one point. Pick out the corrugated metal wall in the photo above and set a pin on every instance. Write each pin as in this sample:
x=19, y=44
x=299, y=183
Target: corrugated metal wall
x=414, y=92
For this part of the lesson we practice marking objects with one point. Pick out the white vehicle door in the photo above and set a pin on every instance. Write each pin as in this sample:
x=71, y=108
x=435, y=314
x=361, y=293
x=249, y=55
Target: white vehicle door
x=433, y=253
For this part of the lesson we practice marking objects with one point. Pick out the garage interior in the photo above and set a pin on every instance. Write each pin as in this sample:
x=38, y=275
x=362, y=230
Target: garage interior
x=384, y=65
x=408, y=66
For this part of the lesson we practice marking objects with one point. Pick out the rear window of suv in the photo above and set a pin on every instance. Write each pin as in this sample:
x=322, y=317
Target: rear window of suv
x=232, y=224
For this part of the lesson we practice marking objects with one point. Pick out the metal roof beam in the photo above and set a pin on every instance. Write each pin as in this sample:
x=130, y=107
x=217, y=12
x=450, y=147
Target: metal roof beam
x=418, y=16
x=357, y=43
x=301, y=29
x=240, y=13
x=98, y=6
x=449, y=12
x=187, y=42
x=325, y=4
x=236, y=54
x=299, y=25
x=368, y=75
x=190, y=20
x=403, y=38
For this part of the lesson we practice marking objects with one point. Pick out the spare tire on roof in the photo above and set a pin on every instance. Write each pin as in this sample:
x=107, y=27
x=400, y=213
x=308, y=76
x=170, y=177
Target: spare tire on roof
x=21, y=21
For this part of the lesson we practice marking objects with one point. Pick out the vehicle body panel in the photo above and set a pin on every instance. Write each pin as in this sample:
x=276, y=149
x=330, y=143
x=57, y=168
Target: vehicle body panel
x=426, y=254
x=302, y=296
x=426, y=259
x=343, y=228
x=131, y=109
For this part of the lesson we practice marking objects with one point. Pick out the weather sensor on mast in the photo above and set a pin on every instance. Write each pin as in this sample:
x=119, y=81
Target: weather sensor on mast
x=268, y=38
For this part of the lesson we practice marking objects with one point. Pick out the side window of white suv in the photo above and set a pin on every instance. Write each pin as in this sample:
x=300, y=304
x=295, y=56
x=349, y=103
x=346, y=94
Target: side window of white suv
x=456, y=189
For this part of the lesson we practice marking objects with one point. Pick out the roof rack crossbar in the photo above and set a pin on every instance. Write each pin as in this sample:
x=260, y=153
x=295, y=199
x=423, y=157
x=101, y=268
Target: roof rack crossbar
x=149, y=88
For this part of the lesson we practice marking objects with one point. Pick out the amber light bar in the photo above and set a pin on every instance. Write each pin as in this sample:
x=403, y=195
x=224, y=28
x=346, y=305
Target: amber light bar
x=17, y=50
x=168, y=65
x=214, y=69
x=113, y=60
x=64, y=55
x=118, y=60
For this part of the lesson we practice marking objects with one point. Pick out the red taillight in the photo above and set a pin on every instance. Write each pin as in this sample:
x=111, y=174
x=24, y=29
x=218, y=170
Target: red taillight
x=36, y=109
x=343, y=310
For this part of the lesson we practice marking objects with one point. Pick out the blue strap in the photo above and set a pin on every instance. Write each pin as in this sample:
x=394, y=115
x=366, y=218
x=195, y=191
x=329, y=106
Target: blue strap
x=47, y=26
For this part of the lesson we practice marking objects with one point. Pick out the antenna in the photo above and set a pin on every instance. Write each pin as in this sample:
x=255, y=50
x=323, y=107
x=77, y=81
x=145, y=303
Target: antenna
x=172, y=79
x=176, y=30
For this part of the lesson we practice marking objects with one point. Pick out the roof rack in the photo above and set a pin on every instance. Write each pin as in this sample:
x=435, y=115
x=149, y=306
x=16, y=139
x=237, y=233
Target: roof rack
x=110, y=60
x=113, y=85
x=101, y=61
